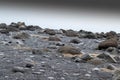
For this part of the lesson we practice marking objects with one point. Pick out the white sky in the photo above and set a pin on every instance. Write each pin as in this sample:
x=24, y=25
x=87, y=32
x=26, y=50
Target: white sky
x=89, y=20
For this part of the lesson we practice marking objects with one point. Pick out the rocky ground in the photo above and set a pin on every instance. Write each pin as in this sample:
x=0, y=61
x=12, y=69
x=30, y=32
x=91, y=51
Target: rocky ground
x=33, y=53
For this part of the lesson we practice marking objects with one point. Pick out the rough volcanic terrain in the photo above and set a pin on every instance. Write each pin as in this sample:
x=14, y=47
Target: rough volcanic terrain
x=29, y=52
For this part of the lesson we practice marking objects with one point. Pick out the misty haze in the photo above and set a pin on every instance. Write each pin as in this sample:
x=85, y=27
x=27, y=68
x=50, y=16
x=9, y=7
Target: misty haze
x=65, y=18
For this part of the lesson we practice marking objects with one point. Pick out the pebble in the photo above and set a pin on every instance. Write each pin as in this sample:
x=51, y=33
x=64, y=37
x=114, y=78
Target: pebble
x=29, y=64
x=51, y=78
x=38, y=73
x=111, y=67
x=62, y=78
x=18, y=69
x=87, y=75
x=76, y=74
x=37, y=51
x=96, y=69
x=86, y=57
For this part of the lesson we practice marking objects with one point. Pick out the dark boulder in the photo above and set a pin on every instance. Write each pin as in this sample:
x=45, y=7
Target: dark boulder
x=50, y=31
x=86, y=57
x=76, y=41
x=90, y=35
x=13, y=28
x=71, y=33
x=33, y=28
x=108, y=43
x=18, y=69
x=3, y=26
x=54, y=39
x=111, y=34
x=4, y=31
x=21, y=36
x=96, y=61
x=107, y=57
x=69, y=49
x=87, y=34
x=37, y=51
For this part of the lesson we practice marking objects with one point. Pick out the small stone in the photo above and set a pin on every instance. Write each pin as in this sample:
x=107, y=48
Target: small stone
x=76, y=41
x=90, y=35
x=52, y=47
x=107, y=57
x=30, y=64
x=118, y=47
x=3, y=26
x=21, y=26
x=116, y=75
x=112, y=50
x=4, y=31
x=60, y=44
x=69, y=49
x=13, y=27
x=71, y=33
x=76, y=74
x=21, y=36
x=86, y=57
x=54, y=39
x=111, y=34
x=50, y=31
x=87, y=75
x=33, y=28
x=18, y=69
x=37, y=51
x=41, y=70
x=38, y=73
x=117, y=58
x=62, y=78
x=51, y=78
x=96, y=61
x=111, y=67
x=96, y=69
x=77, y=59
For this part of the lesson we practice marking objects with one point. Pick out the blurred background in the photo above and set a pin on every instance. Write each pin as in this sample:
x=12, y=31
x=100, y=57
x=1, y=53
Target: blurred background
x=90, y=15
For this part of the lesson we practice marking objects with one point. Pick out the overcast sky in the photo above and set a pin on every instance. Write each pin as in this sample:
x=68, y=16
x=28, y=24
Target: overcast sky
x=49, y=16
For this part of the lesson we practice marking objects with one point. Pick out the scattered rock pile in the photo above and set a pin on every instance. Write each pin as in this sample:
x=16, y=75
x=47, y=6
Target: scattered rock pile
x=29, y=52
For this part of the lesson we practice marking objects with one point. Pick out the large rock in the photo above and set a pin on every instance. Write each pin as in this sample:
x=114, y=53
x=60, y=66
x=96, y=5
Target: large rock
x=108, y=43
x=21, y=36
x=77, y=59
x=76, y=41
x=4, y=31
x=71, y=33
x=3, y=26
x=69, y=49
x=87, y=34
x=96, y=61
x=21, y=26
x=111, y=67
x=90, y=36
x=33, y=28
x=107, y=57
x=50, y=31
x=54, y=38
x=15, y=25
x=86, y=57
x=37, y=51
x=116, y=74
x=18, y=69
x=60, y=44
x=112, y=50
x=111, y=34
x=12, y=29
